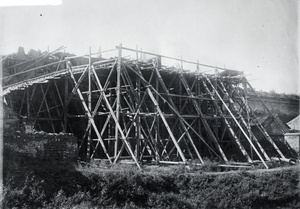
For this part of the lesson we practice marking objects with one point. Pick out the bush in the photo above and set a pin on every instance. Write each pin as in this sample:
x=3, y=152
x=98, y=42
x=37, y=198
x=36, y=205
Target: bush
x=78, y=200
x=28, y=195
x=50, y=185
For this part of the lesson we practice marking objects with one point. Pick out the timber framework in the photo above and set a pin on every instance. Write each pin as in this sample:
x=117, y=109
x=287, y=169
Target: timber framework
x=130, y=108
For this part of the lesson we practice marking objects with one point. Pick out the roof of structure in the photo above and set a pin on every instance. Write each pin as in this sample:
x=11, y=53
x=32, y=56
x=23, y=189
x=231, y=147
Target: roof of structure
x=295, y=123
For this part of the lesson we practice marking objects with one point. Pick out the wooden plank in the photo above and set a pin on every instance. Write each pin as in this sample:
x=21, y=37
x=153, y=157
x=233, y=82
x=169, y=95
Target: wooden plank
x=172, y=162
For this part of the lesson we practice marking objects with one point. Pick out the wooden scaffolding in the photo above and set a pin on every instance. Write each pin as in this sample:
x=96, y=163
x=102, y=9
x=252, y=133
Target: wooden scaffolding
x=140, y=110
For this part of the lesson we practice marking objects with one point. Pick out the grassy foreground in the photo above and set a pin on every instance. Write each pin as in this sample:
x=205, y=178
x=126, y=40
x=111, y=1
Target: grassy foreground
x=42, y=184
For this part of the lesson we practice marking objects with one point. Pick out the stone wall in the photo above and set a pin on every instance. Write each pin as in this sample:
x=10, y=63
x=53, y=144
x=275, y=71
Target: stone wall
x=62, y=147
x=41, y=145
x=285, y=108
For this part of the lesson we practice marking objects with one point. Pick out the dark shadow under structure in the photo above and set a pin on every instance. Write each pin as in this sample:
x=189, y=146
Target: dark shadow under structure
x=140, y=110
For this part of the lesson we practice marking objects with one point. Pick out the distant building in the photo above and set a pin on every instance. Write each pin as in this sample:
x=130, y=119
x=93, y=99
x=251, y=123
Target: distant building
x=293, y=137
x=294, y=141
x=295, y=123
x=273, y=125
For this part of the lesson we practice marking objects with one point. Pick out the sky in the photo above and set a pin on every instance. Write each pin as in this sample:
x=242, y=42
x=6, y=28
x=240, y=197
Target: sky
x=259, y=37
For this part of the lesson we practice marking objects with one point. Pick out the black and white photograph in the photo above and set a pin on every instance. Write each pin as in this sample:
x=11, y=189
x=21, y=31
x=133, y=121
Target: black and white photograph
x=129, y=104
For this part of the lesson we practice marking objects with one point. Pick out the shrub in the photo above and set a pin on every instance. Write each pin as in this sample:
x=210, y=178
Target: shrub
x=29, y=195
x=50, y=185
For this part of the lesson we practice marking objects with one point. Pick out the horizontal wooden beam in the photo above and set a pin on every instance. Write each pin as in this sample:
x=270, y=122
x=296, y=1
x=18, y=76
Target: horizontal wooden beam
x=181, y=60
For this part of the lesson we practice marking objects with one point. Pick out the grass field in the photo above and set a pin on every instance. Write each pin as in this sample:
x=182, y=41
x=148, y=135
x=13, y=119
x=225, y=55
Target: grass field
x=32, y=183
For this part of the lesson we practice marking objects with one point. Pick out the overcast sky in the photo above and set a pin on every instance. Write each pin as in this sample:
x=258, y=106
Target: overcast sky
x=258, y=37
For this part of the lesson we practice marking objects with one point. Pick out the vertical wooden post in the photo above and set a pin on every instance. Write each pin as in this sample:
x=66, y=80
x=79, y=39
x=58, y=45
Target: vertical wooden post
x=181, y=63
x=198, y=87
x=100, y=55
x=180, y=87
x=66, y=104
x=137, y=53
x=118, y=97
x=89, y=141
x=138, y=119
x=28, y=102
